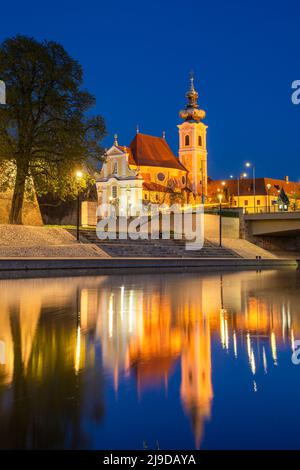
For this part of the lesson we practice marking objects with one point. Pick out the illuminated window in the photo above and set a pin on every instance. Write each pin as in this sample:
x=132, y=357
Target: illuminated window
x=187, y=140
x=114, y=191
x=199, y=140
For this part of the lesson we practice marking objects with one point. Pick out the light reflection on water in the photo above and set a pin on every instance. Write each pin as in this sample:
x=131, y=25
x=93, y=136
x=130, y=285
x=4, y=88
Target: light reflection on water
x=189, y=360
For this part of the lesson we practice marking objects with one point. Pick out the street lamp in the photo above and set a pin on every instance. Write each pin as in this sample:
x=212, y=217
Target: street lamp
x=268, y=188
x=79, y=175
x=248, y=165
x=220, y=196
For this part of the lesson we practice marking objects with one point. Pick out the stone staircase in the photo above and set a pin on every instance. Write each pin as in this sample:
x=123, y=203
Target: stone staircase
x=154, y=248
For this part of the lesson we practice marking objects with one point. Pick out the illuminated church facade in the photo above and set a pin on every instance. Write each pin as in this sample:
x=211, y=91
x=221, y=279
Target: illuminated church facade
x=147, y=171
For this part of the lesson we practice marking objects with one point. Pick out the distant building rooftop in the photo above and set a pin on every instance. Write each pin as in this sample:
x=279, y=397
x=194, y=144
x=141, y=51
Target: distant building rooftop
x=261, y=188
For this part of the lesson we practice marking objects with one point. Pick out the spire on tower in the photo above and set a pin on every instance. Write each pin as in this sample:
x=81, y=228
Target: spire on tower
x=192, y=80
x=137, y=129
x=116, y=140
x=192, y=111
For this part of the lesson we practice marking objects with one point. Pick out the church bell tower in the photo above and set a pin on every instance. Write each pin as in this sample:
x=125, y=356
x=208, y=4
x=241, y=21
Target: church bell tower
x=192, y=142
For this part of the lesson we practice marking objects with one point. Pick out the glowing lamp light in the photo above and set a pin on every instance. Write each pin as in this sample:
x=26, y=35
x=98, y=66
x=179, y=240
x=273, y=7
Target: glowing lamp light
x=220, y=197
x=79, y=174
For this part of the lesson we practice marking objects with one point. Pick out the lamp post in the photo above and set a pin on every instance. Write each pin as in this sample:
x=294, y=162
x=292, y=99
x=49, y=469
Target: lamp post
x=202, y=186
x=220, y=196
x=78, y=177
x=248, y=165
x=268, y=191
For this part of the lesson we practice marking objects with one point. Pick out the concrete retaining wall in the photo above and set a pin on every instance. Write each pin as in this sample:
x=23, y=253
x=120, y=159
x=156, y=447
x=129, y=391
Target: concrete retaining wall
x=230, y=225
x=79, y=267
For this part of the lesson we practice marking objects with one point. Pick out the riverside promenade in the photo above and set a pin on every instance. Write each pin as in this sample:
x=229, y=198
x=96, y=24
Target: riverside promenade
x=45, y=252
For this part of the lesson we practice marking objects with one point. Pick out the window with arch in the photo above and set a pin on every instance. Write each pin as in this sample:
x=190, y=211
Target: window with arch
x=115, y=168
x=114, y=191
x=199, y=140
x=187, y=140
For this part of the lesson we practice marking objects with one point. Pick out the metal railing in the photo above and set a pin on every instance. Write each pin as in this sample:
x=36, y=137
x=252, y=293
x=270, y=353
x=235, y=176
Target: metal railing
x=272, y=209
x=235, y=211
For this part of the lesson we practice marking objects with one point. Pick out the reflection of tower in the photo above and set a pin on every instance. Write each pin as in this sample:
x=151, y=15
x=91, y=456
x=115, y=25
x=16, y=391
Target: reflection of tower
x=196, y=386
x=192, y=142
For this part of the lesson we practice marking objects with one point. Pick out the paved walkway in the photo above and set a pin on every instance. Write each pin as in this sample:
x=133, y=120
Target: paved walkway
x=54, y=242
x=24, y=241
x=74, y=250
x=244, y=248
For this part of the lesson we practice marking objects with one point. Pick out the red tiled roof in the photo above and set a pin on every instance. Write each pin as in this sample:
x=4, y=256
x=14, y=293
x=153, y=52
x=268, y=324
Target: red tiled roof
x=246, y=186
x=156, y=187
x=148, y=150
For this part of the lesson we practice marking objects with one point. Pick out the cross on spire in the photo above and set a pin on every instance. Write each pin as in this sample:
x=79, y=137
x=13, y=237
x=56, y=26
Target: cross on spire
x=192, y=80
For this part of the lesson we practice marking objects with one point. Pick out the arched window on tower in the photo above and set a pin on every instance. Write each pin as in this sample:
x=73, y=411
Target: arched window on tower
x=187, y=140
x=114, y=191
x=199, y=140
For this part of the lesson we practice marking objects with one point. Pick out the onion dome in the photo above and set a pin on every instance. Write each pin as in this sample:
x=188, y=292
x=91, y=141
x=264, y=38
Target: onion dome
x=192, y=112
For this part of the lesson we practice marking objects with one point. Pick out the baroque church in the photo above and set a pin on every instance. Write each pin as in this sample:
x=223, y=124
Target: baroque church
x=147, y=172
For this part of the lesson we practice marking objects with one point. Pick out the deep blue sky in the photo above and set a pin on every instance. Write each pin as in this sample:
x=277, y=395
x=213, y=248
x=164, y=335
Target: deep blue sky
x=137, y=56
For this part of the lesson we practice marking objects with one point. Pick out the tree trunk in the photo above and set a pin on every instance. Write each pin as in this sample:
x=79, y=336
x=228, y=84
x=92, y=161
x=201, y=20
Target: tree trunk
x=15, y=216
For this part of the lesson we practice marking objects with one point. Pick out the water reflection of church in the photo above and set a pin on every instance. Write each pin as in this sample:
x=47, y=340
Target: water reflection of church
x=145, y=331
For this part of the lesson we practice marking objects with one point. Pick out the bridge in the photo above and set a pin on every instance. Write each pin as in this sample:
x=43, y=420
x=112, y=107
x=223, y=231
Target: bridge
x=273, y=224
x=278, y=232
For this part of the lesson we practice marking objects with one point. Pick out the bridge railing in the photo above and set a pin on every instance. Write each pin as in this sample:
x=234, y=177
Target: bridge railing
x=270, y=209
x=234, y=211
